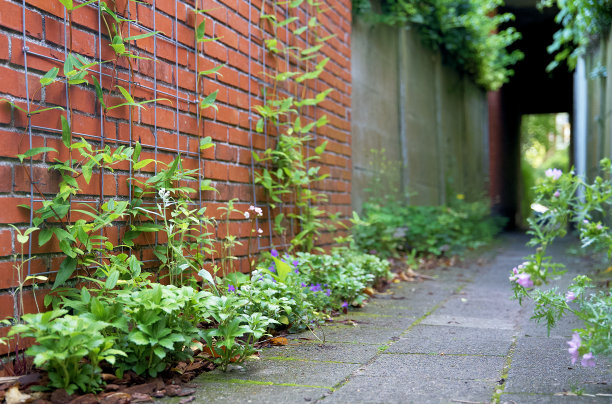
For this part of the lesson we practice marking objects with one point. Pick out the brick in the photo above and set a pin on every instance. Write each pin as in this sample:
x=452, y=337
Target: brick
x=6, y=243
x=11, y=16
x=6, y=178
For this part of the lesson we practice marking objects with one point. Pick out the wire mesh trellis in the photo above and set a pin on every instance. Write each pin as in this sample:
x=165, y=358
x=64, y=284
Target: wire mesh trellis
x=183, y=98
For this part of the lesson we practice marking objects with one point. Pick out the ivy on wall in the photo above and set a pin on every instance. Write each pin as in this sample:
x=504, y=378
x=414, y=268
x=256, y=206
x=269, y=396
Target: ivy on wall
x=465, y=32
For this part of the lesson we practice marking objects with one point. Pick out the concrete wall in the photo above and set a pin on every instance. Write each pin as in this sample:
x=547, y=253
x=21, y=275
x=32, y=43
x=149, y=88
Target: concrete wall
x=598, y=104
x=431, y=121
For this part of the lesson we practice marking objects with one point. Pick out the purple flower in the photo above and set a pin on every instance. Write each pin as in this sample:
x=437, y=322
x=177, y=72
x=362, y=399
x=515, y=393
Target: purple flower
x=557, y=194
x=296, y=263
x=231, y=288
x=315, y=288
x=524, y=280
x=599, y=226
x=569, y=296
x=274, y=253
x=554, y=173
x=574, y=344
x=344, y=304
x=587, y=360
x=585, y=221
x=303, y=285
x=328, y=292
x=272, y=267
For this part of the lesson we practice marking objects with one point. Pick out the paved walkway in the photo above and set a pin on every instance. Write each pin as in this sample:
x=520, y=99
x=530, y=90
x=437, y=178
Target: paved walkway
x=457, y=339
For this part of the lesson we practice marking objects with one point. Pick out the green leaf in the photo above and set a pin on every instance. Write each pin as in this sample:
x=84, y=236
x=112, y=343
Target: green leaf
x=143, y=163
x=321, y=148
x=141, y=36
x=87, y=171
x=211, y=71
x=209, y=100
x=99, y=92
x=67, y=268
x=206, y=143
x=66, y=133
x=112, y=279
x=126, y=95
x=44, y=236
x=34, y=151
x=138, y=338
x=137, y=150
x=49, y=77
x=200, y=31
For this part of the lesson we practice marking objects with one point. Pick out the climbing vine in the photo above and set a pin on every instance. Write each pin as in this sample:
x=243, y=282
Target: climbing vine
x=467, y=32
x=287, y=175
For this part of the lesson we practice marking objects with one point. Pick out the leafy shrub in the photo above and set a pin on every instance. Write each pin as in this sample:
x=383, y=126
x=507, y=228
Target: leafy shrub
x=390, y=227
x=224, y=340
x=70, y=348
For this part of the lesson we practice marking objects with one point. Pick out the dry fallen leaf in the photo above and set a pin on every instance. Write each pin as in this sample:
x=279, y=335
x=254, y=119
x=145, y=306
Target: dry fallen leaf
x=14, y=396
x=369, y=291
x=279, y=341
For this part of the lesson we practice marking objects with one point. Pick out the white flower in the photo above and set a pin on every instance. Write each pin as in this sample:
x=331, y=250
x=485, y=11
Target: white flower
x=246, y=215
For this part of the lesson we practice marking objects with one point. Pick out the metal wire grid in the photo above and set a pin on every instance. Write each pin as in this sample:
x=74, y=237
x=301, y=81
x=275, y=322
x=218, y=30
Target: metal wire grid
x=101, y=75
x=278, y=10
x=156, y=93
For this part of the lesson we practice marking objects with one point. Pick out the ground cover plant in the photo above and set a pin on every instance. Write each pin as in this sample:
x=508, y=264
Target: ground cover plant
x=570, y=200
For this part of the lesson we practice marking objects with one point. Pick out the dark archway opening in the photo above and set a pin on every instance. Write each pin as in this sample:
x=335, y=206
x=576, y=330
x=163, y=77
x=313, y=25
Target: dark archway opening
x=532, y=90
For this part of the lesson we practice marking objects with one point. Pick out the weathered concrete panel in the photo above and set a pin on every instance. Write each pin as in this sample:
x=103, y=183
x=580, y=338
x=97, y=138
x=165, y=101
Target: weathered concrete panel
x=418, y=109
x=430, y=120
x=375, y=121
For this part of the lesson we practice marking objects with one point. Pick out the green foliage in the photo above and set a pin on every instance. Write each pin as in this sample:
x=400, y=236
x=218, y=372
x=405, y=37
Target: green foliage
x=390, y=227
x=64, y=343
x=468, y=33
x=581, y=21
x=568, y=199
x=287, y=175
x=234, y=334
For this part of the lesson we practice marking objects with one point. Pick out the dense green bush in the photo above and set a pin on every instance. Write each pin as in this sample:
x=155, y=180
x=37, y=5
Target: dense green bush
x=390, y=227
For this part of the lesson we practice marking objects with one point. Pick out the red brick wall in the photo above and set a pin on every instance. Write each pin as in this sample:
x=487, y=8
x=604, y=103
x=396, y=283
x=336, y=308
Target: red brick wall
x=228, y=165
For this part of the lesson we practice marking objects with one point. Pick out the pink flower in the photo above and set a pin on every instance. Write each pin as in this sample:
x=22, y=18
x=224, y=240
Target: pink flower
x=587, y=360
x=569, y=296
x=557, y=194
x=574, y=345
x=524, y=280
x=554, y=173
x=599, y=226
x=259, y=231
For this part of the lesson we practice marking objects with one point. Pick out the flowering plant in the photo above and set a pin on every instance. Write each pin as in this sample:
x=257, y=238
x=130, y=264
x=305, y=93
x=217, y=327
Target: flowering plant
x=564, y=199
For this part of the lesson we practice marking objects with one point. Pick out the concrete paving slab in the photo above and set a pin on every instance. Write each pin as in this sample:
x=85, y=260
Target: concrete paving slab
x=454, y=340
x=468, y=305
x=358, y=334
x=362, y=389
x=542, y=365
x=346, y=353
x=224, y=393
x=435, y=367
x=474, y=322
x=552, y=399
x=304, y=373
x=376, y=320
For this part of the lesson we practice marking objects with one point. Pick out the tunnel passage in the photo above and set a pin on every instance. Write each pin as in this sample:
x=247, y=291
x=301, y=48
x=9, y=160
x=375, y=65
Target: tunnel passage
x=532, y=90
